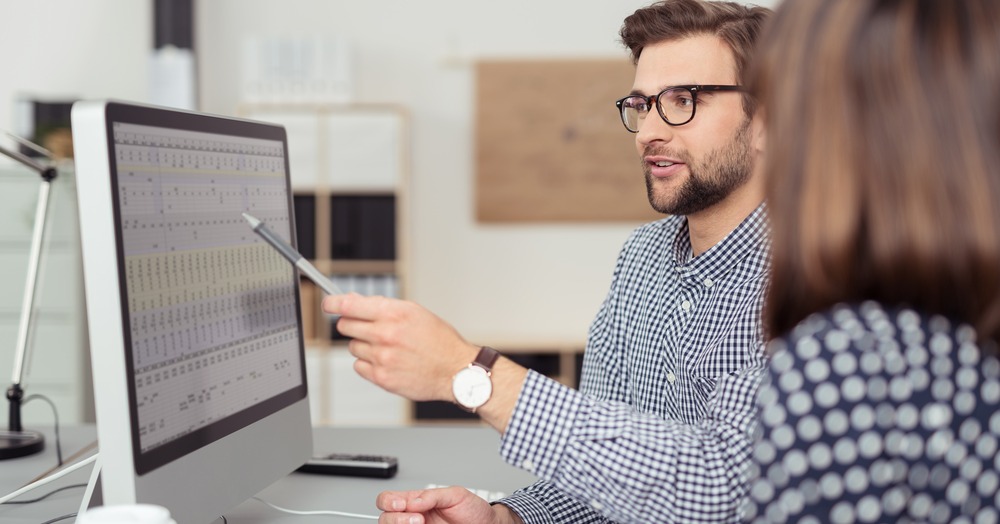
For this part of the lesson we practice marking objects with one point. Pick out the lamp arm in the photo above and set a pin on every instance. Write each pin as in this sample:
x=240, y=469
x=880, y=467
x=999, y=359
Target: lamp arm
x=15, y=393
x=47, y=172
x=30, y=285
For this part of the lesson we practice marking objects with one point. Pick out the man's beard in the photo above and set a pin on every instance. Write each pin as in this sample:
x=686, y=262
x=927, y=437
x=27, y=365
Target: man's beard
x=709, y=182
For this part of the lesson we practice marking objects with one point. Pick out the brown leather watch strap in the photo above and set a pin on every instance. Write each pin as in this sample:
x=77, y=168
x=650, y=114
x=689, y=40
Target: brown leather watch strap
x=486, y=358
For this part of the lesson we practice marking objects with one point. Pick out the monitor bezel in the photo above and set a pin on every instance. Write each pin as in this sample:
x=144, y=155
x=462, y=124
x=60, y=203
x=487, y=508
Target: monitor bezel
x=150, y=460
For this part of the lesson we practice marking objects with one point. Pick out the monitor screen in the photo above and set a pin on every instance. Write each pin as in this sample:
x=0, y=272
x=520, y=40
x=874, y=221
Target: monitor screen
x=212, y=317
x=194, y=320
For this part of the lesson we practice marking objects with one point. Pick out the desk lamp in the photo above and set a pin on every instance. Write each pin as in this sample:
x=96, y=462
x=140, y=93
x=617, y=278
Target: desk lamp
x=17, y=442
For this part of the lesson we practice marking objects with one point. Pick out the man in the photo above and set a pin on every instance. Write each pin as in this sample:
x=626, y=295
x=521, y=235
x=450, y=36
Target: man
x=661, y=427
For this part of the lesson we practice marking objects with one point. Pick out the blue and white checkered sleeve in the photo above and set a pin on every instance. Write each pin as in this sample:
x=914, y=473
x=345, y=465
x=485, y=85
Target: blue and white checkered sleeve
x=543, y=503
x=634, y=467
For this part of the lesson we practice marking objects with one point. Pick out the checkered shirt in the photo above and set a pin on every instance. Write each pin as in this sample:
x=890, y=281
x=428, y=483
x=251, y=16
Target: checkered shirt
x=660, y=430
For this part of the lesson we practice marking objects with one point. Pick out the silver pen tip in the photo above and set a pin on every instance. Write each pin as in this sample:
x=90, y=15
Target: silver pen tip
x=253, y=221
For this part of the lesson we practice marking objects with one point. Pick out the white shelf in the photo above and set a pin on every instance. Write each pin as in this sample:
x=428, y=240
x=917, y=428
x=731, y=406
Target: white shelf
x=339, y=148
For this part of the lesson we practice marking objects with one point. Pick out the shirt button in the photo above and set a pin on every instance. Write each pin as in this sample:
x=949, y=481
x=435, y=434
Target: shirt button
x=528, y=466
x=671, y=378
x=597, y=505
x=708, y=282
x=686, y=305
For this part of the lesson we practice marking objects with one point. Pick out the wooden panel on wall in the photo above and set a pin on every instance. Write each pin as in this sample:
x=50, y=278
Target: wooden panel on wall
x=550, y=146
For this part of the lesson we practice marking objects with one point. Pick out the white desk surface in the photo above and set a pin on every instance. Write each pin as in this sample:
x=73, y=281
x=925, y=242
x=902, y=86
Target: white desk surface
x=464, y=455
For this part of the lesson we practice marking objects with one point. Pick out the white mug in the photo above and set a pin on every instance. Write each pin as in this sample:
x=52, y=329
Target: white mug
x=126, y=514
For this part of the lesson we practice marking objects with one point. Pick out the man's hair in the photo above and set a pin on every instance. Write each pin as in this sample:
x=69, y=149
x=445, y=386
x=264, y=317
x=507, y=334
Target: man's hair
x=883, y=157
x=736, y=24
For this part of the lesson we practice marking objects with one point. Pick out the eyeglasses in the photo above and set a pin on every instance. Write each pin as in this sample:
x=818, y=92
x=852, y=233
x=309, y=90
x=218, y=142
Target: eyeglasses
x=676, y=105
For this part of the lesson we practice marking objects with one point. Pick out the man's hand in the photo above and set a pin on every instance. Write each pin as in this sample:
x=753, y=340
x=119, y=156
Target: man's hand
x=407, y=350
x=454, y=505
x=400, y=346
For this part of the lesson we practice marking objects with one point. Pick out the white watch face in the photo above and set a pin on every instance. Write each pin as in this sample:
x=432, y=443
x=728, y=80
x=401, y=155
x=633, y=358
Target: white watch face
x=472, y=387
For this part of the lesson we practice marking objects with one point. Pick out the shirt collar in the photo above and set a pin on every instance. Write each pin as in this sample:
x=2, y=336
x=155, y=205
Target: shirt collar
x=751, y=237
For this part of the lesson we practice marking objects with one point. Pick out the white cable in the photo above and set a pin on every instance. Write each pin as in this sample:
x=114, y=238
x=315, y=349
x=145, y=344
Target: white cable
x=55, y=476
x=320, y=512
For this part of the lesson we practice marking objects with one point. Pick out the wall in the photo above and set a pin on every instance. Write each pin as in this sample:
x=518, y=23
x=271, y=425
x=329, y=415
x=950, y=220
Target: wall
x=56, y=49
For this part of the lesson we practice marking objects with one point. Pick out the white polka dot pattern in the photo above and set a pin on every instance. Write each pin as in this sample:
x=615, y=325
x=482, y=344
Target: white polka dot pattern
x=878, y=415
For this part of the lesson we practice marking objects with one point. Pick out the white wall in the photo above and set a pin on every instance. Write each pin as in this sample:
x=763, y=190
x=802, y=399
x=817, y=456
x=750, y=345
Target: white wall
x=73, y=49
x=495, y=283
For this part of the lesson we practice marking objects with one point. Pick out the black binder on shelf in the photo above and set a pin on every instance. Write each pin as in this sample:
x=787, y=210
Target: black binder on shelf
x=305, y=225
x=363, y=227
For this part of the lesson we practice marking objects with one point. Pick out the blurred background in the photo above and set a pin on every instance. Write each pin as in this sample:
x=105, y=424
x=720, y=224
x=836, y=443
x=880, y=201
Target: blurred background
x=486, y=131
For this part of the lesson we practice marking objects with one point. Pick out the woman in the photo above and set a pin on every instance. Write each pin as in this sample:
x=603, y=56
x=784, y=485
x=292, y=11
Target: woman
x=883, y=171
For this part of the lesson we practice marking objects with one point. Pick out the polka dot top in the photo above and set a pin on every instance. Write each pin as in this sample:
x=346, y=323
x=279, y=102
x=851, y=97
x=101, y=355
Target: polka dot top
x=878, y=415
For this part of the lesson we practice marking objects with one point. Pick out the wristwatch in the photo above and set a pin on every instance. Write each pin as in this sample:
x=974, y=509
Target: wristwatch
x=472, y=385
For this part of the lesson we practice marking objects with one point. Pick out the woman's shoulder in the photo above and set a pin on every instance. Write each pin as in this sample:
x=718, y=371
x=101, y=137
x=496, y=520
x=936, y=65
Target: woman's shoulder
x=866, y=402
x=866, y=357
x=862, y=327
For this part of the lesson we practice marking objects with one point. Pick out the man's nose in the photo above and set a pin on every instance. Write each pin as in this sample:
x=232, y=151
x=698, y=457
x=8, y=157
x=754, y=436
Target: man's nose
x=653, y=129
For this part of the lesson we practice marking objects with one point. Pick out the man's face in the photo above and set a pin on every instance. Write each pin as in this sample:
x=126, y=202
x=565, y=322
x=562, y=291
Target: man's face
x=692, y=167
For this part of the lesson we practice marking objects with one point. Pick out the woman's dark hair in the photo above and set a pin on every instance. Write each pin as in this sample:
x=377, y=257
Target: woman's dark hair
x=882, y=162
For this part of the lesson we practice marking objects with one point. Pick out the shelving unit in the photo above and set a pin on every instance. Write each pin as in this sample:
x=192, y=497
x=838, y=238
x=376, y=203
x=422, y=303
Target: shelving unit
x=346, y=158
x=349, y=172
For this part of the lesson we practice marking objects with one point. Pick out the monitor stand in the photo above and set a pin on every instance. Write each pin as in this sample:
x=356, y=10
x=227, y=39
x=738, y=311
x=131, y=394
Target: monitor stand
x=92, y=497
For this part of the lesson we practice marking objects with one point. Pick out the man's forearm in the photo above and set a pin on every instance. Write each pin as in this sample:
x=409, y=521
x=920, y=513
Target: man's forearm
x=702, y=463
x=508, y=378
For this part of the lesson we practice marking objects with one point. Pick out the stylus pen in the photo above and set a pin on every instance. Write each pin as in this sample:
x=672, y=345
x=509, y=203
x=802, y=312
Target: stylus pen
x=293, y=256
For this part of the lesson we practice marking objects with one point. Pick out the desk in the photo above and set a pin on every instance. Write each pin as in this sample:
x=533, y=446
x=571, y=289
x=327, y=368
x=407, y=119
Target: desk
x=465, y=456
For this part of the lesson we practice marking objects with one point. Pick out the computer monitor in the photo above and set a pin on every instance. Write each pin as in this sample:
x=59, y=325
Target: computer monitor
x=195, y=326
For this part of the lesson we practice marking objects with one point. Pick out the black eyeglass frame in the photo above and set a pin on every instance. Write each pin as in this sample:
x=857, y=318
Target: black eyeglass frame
x=655, y=99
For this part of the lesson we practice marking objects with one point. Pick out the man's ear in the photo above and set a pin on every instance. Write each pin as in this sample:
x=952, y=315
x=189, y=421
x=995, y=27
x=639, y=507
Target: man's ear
x=758, y=132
